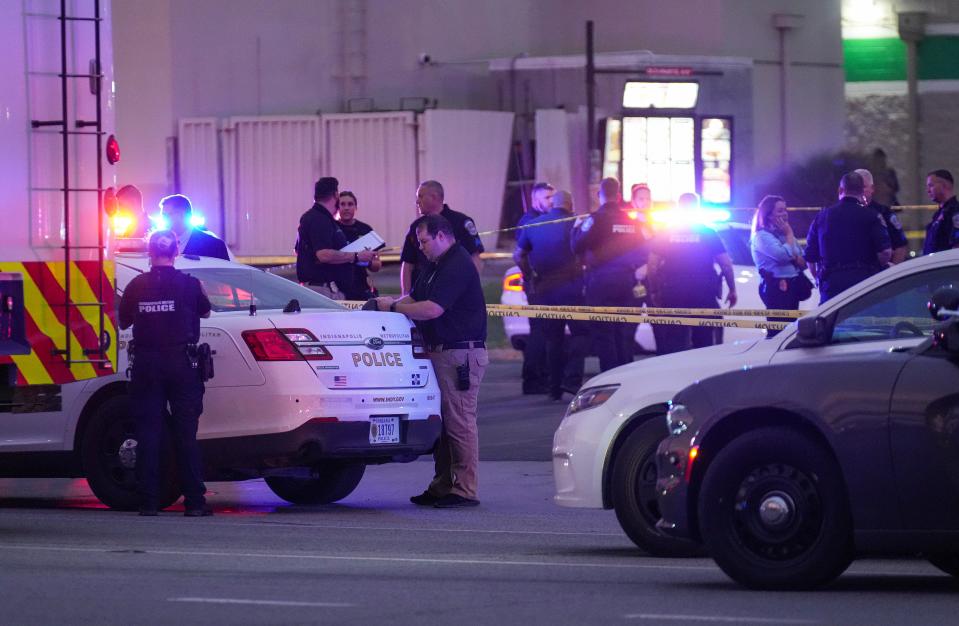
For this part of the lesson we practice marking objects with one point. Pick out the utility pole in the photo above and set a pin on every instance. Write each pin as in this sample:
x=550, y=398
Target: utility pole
x=912, y=30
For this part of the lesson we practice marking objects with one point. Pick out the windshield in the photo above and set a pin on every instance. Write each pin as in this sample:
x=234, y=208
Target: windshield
x=235, y=289
x=736, y=241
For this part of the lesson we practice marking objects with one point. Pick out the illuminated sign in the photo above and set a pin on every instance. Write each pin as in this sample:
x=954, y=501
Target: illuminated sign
x=660, y=95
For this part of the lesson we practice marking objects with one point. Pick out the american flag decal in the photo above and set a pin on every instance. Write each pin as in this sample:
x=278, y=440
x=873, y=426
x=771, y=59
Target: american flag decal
x=339, y=381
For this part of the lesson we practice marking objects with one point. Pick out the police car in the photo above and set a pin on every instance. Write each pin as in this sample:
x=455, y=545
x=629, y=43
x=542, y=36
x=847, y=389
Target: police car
x=603, y=450
x=306, y=393
x=735, y=237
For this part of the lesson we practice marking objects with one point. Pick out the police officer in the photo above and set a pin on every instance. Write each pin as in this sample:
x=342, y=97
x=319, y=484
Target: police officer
x=164, y=306
x=897, y=238
x=448, y=307
x=429, y=201
x=682, y=274
x=540, y=196
x=847, y=242
x=535, y=373
x=192, y=239
x=613, y=247
x=321, y=265
x=556, y=277
x=942, y=232
x=361, y=287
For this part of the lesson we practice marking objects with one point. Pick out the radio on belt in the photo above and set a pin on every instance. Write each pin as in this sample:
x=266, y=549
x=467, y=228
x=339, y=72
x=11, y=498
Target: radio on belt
x=13, y=338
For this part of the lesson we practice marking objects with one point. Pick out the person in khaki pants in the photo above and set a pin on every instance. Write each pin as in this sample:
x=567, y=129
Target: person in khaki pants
x=447, y=305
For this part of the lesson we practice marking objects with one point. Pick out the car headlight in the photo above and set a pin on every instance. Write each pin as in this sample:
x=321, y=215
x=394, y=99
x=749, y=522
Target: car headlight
x=590, y=398
x=678, y=419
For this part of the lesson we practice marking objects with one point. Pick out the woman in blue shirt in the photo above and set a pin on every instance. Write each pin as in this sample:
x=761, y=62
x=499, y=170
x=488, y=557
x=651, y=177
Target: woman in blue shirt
x=777, y=256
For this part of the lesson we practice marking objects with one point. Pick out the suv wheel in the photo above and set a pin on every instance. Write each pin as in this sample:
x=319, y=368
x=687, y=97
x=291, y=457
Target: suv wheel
x=773, y=511
x=633, y=491
x=335, y=482
x=108, y=457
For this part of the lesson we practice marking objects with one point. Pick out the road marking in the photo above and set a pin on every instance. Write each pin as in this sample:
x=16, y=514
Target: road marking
x=720, y=618
x=220, y=521
x=372, y=559
x=262, y=602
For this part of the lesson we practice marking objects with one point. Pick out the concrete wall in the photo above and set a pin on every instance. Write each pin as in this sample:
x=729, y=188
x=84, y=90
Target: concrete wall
x=882, y=121
x=188, y=58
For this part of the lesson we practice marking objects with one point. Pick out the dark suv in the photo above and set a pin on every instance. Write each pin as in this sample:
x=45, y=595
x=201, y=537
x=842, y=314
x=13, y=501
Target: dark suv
x=787, y=472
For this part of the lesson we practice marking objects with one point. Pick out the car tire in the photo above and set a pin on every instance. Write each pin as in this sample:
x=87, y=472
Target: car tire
x=949, y=563
x=804, y=540
x=113, y=480
x=335, y=482
x=633, y=491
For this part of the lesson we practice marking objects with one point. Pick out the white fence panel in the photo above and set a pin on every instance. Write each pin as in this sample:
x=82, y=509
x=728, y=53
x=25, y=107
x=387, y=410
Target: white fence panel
x=270, y=167
x=374, y=156
x=468, y=152
x=199, y=167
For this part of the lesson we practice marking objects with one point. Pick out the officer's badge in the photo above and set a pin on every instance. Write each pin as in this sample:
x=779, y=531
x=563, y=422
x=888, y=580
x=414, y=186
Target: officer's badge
x=955, y=220
x=894, y=220
x=470, y=227
x=588, y=223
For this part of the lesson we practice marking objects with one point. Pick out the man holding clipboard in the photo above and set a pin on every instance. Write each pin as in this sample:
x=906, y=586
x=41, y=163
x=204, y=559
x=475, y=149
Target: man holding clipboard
x=360, y=234
x=323, y=255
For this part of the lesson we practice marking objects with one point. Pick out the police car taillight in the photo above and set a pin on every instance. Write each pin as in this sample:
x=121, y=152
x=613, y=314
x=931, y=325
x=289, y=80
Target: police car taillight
x=270, y=345
x=513, y=282
x=307, y=345
x=419, y=346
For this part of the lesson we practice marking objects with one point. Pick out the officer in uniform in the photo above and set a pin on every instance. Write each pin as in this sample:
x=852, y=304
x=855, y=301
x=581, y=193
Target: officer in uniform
x=429, y=201
x=682, y=274
x=613, y=247
x=192, y=239
x=556, y=277
x=448, y=307
x=164, y=306
x=942, y=233
x=897, y=238
x=361, y=287
x=320, y=263
x=535, y=373
x=847, y=242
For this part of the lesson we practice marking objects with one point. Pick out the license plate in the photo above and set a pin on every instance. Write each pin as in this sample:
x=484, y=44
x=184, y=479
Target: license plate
x=385, y=429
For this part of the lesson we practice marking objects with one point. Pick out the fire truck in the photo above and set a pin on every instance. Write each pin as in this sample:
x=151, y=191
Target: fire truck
x=57, y=286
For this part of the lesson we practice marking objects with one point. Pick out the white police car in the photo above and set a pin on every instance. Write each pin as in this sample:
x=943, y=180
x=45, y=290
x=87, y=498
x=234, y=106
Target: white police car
x=306, y=393
x=735, y=237
x=603, y=450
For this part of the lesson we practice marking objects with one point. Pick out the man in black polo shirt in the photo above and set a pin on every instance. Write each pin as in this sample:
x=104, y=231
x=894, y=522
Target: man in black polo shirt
x=942, y=232
x=429, y=201
x=361, y=286
x=448, y=307
x=320, y=264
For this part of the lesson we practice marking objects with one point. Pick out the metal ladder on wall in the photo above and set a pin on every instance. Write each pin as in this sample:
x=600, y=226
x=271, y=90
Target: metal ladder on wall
x=94, y=355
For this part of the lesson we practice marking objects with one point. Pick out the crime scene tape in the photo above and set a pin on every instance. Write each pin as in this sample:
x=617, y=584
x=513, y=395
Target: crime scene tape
x=716, y=322
x=654, y=310
x=707, y=318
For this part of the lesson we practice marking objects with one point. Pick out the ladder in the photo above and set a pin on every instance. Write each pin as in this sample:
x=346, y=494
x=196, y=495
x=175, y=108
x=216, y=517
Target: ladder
x=69, y=24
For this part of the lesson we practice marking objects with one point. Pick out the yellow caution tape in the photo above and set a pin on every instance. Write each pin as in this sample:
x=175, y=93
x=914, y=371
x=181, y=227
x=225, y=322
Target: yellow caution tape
x=654, y=310
x=636, y=319
x=706, y=317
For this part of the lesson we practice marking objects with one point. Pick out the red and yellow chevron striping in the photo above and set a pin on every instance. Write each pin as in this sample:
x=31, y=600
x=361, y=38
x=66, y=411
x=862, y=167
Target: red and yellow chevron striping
x=45, y=300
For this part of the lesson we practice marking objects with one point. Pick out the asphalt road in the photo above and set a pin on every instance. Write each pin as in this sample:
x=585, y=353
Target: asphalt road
x=375, y=558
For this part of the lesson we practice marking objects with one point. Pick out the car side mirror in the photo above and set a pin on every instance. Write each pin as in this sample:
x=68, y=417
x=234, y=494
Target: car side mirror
x=813, y=331
x=944, y=304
